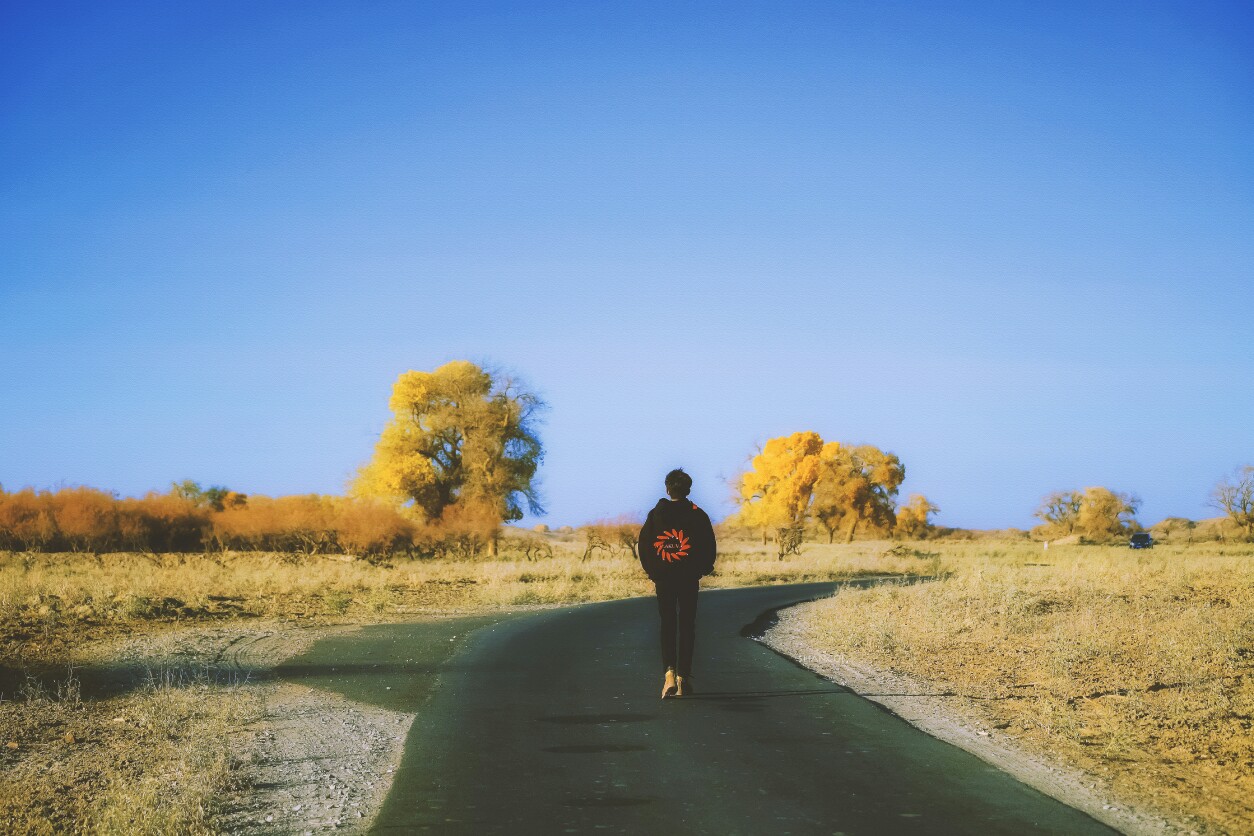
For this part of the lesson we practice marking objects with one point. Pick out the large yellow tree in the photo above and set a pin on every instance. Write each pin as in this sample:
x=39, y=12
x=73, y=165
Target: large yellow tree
x=798, y=476
x=775, y=491
x=461, y=443
x=1106, y=514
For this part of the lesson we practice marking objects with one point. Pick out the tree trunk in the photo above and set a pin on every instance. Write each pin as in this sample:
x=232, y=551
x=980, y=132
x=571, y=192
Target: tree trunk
x=492, y=546
x=853, y=526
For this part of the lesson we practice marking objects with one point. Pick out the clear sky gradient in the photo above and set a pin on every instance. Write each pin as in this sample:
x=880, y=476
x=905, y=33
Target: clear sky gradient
x=1011, y=242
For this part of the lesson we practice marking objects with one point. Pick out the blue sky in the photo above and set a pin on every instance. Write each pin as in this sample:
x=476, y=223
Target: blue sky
x=1010, y=242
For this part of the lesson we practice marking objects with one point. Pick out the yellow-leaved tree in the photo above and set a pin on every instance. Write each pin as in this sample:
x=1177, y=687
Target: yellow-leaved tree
x=857, y=485
x=798, y=476
x=1106, y=514
x=461, y=446
x=1095, y=513
x=775, y=492
x=914, y=519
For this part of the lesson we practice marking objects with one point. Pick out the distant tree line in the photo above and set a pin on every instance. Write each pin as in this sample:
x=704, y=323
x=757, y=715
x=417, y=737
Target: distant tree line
x=1101, y=515
x=458, y=459
x=1096, y=514
x=798, y=485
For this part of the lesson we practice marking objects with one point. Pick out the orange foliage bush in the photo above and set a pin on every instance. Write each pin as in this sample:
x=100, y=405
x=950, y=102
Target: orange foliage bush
x=465, y=528
x=370, y=528
x=86, y=519
x=162, y=523
x=315, y=524
x=279, y=524
x=26, y=520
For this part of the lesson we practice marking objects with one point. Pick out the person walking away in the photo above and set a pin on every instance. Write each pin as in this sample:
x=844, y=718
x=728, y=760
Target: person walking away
x=677, y=548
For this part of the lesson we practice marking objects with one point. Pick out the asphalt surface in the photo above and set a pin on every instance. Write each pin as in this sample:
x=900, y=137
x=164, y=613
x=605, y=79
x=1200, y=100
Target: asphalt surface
x=551, y=722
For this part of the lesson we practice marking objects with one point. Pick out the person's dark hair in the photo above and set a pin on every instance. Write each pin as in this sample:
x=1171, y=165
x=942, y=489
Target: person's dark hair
x=678, y=484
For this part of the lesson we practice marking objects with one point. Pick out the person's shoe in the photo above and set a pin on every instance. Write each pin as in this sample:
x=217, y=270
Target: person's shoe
x=669, y=687
x=683, y=686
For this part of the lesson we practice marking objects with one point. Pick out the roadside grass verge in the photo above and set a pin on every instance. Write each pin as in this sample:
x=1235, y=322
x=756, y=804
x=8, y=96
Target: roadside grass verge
x=151, y=761
x=1135, y=666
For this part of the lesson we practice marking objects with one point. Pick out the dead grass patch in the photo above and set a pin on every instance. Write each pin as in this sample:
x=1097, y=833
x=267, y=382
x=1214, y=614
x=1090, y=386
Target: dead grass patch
x=150, y=761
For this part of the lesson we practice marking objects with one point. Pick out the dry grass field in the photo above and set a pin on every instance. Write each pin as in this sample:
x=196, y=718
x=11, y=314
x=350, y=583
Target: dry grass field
x=99, y=763
x=1136, y=666
x=1132, y=664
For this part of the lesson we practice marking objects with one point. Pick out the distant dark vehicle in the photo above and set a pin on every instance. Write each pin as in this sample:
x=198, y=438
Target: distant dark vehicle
x=1141, y=540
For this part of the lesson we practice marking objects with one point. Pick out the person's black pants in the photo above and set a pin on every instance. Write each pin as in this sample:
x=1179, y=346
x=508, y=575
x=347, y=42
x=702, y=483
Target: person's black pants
x=677, y=604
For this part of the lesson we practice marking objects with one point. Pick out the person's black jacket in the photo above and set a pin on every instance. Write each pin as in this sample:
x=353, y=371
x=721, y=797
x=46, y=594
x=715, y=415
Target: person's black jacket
x=677, y=541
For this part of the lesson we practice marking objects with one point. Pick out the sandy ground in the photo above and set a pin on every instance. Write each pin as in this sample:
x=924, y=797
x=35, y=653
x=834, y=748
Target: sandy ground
x=958, y=720
x=310, y=761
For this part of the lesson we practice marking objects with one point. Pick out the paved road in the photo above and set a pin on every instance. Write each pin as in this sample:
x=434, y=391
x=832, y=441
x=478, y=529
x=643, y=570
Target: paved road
x=551, y=723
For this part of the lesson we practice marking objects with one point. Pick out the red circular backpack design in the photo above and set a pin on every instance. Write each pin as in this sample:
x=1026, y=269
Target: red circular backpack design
x=671, y=545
